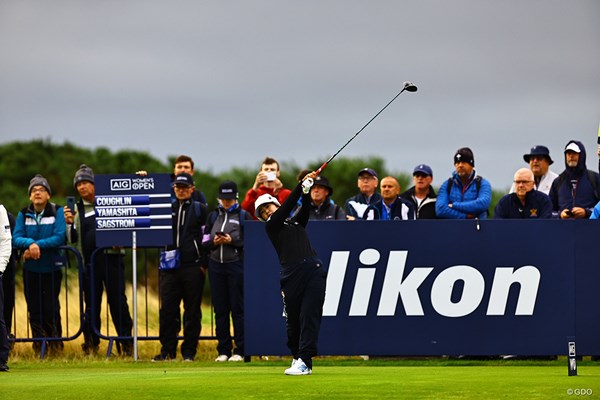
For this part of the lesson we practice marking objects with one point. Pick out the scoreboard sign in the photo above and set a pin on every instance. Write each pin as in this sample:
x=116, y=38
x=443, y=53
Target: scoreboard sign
x=132, y=203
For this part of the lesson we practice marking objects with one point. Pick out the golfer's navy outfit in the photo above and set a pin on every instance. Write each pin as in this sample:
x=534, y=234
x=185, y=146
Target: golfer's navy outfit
x=302, y=277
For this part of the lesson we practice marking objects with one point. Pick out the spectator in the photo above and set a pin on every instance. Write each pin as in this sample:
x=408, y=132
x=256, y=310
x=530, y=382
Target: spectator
x=108, y=269
x=525, y=202
x=8, y=282
x=539, y=161
x=39, y=231
x=391, y=206
x=356, y=206
x=321, y=205
x=224, y=239
x=5, y=255
x=182, y=279
x=465, y=194
x=575, y=192
x=302, y=276
x=185, y=164
x=422, y=195
x=266, y=182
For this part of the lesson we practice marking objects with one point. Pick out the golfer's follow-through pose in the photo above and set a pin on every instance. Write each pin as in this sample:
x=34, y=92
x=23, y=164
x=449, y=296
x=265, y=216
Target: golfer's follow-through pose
x=302, y=277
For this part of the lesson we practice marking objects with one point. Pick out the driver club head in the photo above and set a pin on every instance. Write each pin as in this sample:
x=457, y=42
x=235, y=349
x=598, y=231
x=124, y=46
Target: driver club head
x=409, y=87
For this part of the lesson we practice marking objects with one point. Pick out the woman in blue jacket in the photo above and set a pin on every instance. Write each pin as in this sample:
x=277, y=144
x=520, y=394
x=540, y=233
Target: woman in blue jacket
x=39, y=232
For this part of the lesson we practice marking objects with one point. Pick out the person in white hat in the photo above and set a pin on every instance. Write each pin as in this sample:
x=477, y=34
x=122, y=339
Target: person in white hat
x=302, y=277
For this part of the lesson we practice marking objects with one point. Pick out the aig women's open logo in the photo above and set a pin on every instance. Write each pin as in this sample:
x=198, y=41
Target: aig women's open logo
x=120, y=184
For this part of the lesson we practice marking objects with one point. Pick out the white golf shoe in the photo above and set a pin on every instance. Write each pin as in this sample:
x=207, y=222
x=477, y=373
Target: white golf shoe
x=222, y=358
x=298, y=368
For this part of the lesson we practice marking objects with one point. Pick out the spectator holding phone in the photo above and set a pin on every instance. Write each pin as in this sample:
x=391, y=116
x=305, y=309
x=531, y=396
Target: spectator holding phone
x=108, y=268
x=575, y=192
x=224, y=240
x=266, y=182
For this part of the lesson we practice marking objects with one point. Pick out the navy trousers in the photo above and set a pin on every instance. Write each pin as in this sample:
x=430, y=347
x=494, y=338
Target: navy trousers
x=303, y=293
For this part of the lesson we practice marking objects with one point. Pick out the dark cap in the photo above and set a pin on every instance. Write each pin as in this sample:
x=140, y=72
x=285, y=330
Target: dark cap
x=84, y=173
x=228, y=190
x=322, y=181
x=464, y=154
x=39, y=180
x=368, y=171
x=423, y=169
x=183, y=179
x=540, y=151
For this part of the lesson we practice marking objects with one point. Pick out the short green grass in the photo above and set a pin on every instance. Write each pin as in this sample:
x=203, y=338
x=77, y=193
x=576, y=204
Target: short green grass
x=333, y=378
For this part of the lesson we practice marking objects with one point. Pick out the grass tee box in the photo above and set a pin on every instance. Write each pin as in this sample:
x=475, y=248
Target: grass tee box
x=265, y=380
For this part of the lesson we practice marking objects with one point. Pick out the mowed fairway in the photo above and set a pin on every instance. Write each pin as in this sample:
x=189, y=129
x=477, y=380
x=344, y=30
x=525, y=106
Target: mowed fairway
x=87, y=380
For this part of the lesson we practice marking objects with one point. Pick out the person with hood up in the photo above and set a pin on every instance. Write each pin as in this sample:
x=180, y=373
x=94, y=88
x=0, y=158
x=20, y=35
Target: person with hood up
x=575, y=192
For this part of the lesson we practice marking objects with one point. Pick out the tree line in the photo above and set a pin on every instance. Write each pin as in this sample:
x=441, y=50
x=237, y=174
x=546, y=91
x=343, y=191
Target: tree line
x=57, y=162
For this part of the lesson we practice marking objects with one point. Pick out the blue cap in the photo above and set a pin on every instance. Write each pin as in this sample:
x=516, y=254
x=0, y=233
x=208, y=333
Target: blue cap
x=368, y=171
x=424, y=169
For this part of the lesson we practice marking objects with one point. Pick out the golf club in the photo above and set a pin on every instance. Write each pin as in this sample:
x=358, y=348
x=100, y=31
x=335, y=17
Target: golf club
x=408, y=86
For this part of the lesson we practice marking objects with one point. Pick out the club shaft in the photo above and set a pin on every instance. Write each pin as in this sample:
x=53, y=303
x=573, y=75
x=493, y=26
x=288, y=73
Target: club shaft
x=322, y=167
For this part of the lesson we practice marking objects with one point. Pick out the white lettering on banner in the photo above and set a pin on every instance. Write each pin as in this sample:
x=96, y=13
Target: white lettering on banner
x=114, y=201
x=117, y=212
x=407, y=289
x=115, y=223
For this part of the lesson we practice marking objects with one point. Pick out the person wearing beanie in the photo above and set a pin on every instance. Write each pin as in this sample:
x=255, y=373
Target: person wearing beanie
x=224, y=242
x=465, y=195
x=39, y=232
x=105, y=270
x=576, y=190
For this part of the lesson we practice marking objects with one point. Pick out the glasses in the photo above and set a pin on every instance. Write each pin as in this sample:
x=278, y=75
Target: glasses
x=365, y=178
x=39, y=190
x=522, y=182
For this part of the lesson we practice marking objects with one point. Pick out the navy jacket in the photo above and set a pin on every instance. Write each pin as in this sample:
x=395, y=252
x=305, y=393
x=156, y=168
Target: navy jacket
x=400, y=209
x=537, y=206
x=573, y=187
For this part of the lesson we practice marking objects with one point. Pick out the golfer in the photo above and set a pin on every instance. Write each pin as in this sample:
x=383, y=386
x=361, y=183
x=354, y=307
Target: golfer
x=302, y=277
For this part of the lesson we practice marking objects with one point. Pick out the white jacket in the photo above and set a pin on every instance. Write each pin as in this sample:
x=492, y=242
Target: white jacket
x=5, y=239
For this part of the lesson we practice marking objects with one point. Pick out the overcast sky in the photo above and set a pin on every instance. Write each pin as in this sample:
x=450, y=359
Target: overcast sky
x=229, y=82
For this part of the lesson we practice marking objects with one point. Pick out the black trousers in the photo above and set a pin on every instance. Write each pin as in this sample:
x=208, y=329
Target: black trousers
x=4, y=347
x=8, y=284
x=109, y=274
x=227, y=290
x=303, y=293
x=42, y=292
x=183, y=284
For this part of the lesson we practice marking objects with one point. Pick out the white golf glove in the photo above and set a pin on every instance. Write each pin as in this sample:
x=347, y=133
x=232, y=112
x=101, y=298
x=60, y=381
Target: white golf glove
x=306, y=185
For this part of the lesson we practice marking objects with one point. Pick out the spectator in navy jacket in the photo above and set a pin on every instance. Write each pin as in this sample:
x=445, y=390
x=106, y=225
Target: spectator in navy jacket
x=367, y=184
x=422, y=194
x=391, y=206
x=575, y=192
x=525, y=202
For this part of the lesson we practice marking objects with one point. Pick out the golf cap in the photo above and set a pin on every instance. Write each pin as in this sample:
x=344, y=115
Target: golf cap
x=573, y=147
x=464, y=154
x=228, y=190
x=540, y=151
x=423, y=169
x=367, y=171
x=183, y=179
x=322, y=181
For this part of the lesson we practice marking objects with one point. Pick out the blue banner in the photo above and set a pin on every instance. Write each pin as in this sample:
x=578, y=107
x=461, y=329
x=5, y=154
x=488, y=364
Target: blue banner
x=438, y=288
x=128, y=203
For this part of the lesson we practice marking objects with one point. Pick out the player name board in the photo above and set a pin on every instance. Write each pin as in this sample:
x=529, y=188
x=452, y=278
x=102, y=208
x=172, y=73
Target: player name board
x=128, y=203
